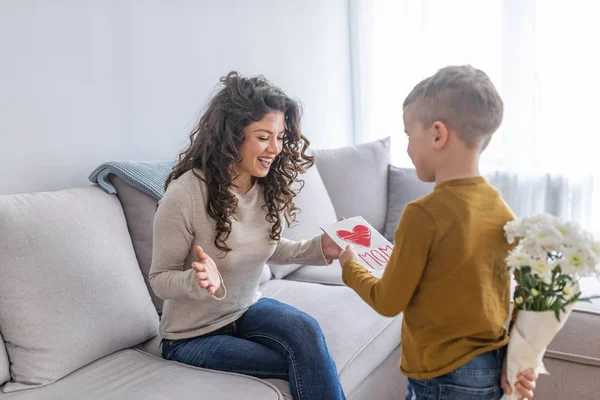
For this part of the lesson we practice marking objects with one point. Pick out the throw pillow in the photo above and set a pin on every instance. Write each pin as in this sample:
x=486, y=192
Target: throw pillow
x=356, y=179
x=404, y=187
x=71, y=291
x=139, y=209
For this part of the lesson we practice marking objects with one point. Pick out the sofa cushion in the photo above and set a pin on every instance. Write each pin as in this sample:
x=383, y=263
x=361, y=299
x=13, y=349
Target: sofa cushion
x=134, y=375
x=327, y=275
x=567, y=380
x=404, y=187
x=356, y=179
x=386, y=381
x=358, y=338
x=4, y=365
x=71, y=291
x=139, y=209
x=316, y=210
x=577, y=341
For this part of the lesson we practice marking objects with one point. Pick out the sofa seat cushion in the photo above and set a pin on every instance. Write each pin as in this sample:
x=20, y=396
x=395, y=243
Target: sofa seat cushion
x=568, y=380
x=71, y=290
x=327, y=275
x=578, y=340
x=134, y=375
x=358, y=338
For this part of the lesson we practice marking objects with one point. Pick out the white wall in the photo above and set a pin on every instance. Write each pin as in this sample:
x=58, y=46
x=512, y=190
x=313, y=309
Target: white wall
x=83, y=82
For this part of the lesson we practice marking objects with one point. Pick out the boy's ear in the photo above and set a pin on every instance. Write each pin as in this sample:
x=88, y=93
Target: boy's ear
x=440, y=134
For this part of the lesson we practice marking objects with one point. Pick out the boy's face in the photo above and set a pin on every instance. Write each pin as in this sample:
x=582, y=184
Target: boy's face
x=420, y=145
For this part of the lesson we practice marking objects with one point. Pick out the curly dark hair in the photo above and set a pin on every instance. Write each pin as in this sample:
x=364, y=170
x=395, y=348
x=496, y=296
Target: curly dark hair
x=215, y=143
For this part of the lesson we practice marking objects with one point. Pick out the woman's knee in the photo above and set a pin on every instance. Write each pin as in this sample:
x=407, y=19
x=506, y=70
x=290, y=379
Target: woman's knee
x=298, y=321
x=308, y=324
x=285, y=321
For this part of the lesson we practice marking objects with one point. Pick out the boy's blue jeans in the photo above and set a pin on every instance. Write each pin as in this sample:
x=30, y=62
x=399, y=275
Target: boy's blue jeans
x=271, y=340
x=479, y=379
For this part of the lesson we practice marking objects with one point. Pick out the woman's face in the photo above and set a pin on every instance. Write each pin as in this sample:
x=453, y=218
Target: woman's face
x=262, y=143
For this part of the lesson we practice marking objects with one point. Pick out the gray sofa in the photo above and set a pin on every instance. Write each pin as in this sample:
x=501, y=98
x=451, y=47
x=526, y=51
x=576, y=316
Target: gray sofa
x=78, y=320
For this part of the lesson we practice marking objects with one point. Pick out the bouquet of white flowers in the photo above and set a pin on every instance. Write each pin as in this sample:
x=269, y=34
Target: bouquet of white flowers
x=550, y=258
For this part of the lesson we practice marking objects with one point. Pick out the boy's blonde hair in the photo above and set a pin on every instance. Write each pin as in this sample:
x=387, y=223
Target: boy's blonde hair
x=462, y=97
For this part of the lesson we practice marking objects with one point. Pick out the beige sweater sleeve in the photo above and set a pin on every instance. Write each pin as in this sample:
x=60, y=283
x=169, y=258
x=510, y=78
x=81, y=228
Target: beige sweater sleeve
x=304, y=252
x=173, y=237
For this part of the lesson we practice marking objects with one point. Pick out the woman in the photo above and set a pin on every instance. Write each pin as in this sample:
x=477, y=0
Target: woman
x=219, y=222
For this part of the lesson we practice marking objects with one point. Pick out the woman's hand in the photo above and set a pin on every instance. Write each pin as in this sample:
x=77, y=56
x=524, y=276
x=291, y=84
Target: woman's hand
x=206, y=271
x=525, y=383
x=331, y=250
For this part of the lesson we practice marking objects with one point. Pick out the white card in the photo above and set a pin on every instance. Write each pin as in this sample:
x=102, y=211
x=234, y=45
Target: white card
x=372, y=249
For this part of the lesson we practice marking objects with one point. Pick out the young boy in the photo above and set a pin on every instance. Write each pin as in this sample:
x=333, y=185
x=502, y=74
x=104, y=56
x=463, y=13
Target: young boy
x=447, y=272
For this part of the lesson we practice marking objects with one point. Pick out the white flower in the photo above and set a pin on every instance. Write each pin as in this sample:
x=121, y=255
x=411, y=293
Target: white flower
x=539, y=266
x=573, y=262
x=543, y=270
x=595, y=247
x=532, y=247
x=537, y=220
x=590, y=259
x=513, y=229
x=545, y=236
x=570, y=231
x=547, y=243
x=568, y=290
x=592, y=248
x=517, y=259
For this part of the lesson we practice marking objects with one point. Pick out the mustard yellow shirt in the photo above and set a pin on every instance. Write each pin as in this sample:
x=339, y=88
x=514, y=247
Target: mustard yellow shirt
x=447, y=274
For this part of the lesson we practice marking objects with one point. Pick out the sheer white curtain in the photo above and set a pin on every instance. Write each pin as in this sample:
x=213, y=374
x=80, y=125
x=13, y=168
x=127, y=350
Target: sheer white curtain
x=541, y=55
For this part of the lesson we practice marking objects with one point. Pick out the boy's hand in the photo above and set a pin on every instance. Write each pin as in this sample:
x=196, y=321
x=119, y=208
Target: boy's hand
x=525, y=383
x=347, y=255
x=206, y=271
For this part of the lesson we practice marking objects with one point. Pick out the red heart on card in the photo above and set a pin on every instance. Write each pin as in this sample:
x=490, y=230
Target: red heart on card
x=360, y=235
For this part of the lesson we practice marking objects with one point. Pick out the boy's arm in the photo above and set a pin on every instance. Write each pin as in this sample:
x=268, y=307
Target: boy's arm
x=391, y=294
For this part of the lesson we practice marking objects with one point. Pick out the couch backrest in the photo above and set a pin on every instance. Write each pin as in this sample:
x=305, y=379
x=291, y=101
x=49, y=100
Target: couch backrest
x=70, y=287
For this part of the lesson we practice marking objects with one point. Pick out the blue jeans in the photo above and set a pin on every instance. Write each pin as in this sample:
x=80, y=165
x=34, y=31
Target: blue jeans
x=271, y=340
x=479, y=379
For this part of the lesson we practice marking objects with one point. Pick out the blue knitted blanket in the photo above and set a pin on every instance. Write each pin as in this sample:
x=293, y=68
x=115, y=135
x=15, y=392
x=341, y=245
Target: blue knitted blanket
x=148, y=177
